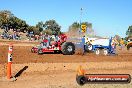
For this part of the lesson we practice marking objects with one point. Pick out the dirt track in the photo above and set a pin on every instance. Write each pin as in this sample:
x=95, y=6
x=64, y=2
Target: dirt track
x=57, y=70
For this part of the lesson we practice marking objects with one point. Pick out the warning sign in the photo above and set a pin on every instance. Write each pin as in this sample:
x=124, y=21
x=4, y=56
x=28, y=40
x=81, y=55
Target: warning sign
x=83, y=27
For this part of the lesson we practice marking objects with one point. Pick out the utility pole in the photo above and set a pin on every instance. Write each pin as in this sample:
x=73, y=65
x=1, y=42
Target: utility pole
x=81, y=12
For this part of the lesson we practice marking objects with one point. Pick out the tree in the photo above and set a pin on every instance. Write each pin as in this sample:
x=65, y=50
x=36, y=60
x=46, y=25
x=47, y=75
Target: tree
x=24, y=26
x=47, y=32
x=34, y=29
x=129, y=31
x=18, y=24
x=9, y=21
x=53, y=26
x=15, y=23
x=40, y=26
x=74, y=27
x=5, y=15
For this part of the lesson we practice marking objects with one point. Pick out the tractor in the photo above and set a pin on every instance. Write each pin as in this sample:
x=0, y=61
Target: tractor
x=68, y=46
x=56, y=44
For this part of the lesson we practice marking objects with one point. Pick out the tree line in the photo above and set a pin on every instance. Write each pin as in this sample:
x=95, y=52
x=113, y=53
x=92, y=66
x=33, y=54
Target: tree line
x=10, y=21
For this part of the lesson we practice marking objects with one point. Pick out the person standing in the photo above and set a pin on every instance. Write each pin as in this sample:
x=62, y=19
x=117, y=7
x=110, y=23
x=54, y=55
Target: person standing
x=83, y=45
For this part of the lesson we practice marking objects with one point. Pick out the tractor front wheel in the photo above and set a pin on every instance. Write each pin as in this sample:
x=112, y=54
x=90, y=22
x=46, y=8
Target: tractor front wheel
x=40, y=52
x=32, y=50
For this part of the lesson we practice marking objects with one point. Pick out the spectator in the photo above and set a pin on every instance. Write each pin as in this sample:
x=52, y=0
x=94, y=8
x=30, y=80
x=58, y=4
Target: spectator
x=14, y=35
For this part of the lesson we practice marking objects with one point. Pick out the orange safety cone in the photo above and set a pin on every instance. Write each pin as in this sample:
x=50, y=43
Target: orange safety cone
x=9, y=61
x=9, y=70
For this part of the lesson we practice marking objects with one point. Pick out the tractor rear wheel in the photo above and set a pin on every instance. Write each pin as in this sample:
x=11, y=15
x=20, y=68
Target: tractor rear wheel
x=68, y=48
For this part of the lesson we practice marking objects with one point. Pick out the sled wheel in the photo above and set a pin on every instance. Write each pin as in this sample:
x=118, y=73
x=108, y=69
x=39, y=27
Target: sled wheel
x=97, y=51
x=105, y=52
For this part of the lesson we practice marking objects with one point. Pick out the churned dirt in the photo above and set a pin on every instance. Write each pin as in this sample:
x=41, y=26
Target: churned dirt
x=57, y=70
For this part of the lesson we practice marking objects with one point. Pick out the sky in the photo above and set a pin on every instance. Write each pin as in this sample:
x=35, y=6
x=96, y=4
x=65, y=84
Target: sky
x=108, y=17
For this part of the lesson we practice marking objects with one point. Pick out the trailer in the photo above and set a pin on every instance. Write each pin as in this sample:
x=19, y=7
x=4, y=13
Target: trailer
x=104, y=46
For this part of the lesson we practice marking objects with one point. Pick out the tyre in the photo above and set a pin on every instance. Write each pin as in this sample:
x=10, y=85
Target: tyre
x=40, y=52
x=68, y=48
x=105, y=52
x=97, y=51
x=128, y=47
x=81, y=80
x=57, y=51
x=88, y=48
